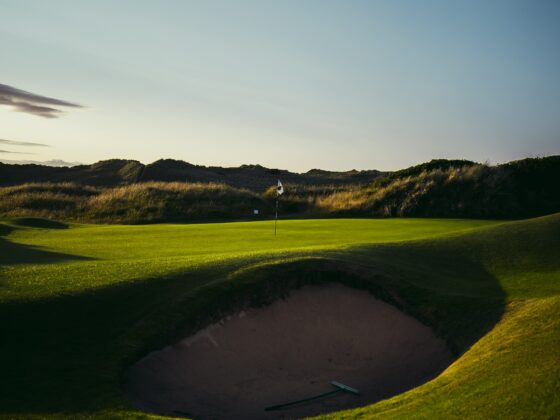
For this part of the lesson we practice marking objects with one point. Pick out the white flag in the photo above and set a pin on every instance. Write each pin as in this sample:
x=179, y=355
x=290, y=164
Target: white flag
x=280, y=188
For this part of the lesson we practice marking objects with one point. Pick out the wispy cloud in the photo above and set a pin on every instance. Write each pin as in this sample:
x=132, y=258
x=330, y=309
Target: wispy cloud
x=22, y=143
x=14, y=153
x=31, y=103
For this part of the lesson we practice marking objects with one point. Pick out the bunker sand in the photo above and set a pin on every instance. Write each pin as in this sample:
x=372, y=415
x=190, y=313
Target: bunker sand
x=287, y=351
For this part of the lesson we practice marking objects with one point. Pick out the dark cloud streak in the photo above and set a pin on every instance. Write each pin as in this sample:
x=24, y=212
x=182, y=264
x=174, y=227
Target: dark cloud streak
x=15, y=153
x=30, y=103
x=22, y=143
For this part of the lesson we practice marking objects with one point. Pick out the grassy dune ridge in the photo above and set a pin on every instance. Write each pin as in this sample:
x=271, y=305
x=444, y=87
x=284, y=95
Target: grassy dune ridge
x=439, y=188
x=84, y=301
x=135, y=203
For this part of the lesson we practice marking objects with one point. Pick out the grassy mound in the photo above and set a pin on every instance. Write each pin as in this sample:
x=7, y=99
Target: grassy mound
x=148, y=202
x=454, y=188
x=83, y=303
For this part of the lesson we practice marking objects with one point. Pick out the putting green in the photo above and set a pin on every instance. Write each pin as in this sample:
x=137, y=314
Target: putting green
x=82, y=304
x=45, y=262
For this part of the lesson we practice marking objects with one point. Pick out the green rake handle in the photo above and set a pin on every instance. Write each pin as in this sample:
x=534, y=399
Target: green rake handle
x=340, y=388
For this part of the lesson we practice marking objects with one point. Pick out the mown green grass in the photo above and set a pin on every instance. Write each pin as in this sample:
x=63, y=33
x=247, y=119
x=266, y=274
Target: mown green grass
x=80, y=304
x=40, y=263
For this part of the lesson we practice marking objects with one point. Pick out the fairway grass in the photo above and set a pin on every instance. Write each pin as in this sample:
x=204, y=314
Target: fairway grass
x=82, y=303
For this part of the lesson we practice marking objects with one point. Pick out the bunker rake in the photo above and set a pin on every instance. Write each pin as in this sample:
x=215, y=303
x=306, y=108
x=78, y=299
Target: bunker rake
x=339, y=388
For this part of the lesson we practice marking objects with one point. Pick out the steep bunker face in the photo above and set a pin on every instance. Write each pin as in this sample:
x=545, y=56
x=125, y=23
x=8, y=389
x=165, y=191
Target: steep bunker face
x=289, y=351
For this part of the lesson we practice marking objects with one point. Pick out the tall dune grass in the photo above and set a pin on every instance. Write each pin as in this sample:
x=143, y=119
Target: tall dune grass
x=135, y=203
x=438, y=188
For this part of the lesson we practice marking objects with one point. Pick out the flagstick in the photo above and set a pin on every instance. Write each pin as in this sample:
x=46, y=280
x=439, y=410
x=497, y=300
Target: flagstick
x=276, y=219
x=279, y=192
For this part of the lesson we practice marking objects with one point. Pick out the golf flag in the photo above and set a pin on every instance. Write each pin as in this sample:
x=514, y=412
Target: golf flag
x=280, y=188
x=279, y=192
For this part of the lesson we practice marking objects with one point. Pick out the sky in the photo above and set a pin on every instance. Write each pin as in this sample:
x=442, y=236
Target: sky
x=302, y=84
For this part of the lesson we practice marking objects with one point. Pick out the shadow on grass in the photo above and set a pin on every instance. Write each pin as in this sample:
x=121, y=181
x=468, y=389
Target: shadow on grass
x=12, y=253
x=38, y=222
x=5, y=229
x=66, y=354
x=439, y=285
x=69, y=353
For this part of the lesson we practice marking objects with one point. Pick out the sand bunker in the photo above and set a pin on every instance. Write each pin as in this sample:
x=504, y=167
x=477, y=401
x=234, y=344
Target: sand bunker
x=288, y=351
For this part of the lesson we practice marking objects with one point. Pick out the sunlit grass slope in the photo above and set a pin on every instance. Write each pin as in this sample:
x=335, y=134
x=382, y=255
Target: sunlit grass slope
x=46, y=262
x=79, y=304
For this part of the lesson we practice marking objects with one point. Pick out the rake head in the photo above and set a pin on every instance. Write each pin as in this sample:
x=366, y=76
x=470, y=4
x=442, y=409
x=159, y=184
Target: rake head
x=346, y=388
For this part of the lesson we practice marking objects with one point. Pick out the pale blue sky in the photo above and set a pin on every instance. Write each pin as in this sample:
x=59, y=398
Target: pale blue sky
x=290, y=84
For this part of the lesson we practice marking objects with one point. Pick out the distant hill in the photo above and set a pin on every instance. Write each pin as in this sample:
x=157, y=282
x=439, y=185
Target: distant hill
x=119, y=172
x=105, y=173
x=52, y=162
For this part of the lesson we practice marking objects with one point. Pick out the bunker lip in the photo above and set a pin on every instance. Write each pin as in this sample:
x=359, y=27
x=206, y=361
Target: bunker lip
x=288, y=351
